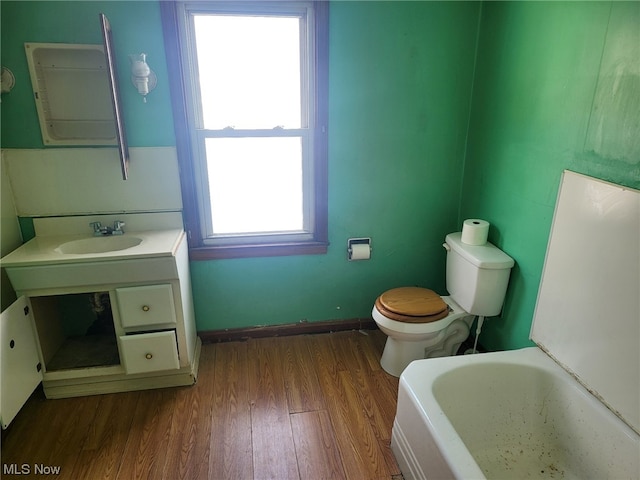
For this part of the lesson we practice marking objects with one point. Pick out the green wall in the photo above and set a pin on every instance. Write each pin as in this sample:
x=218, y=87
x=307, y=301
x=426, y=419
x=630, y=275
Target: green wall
x=400, y=84
x=137, y=29
x=412, y=151
x=557, y=86
x=400, y=88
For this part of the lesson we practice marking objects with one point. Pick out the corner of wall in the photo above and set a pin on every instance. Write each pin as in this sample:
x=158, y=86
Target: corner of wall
x=470, y=110
x=10, y=237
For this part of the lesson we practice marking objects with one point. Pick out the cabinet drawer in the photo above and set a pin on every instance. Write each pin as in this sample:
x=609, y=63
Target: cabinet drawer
x=149, y=352
x=146, y=306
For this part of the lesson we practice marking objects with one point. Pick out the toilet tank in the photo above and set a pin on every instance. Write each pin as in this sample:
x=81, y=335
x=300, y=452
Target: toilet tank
x=477, y=275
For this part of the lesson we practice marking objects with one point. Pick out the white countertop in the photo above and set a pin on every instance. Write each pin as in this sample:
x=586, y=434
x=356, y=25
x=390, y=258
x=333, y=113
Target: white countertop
x=41, y=250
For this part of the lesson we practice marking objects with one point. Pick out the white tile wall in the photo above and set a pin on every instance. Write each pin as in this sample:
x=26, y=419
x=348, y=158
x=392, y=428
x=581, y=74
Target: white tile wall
x=588, y=314
x=74, y=181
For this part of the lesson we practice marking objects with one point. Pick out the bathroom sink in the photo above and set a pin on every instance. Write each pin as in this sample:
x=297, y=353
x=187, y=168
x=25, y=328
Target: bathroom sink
x=76, y=260
x=98, y=245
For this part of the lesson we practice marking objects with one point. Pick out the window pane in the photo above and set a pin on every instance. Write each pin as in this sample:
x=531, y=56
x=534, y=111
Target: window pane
x=255, y=184
x=249, y=70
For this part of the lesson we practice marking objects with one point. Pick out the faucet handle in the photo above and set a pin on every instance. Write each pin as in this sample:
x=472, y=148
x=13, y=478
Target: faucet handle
x=96, y=226
x=117, y=226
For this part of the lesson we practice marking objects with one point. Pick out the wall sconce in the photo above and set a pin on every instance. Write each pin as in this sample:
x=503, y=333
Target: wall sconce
x=7, y=80
x=142, y=76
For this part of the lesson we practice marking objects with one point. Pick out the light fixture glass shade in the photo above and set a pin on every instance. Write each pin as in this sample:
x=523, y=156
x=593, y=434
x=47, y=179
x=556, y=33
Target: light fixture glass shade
x=142, y=77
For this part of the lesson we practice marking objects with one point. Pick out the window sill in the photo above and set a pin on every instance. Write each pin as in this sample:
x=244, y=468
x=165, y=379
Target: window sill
x=260, y=250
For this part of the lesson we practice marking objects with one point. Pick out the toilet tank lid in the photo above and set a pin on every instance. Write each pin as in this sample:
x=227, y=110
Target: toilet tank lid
x=482, y=256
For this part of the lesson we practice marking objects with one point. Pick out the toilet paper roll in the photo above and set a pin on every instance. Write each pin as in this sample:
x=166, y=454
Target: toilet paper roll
x=475, y=231
x=360, y=252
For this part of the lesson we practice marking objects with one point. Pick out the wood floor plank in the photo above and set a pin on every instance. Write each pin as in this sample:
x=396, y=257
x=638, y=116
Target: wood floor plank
x=19, y=440
x=230, y=447
x=361, y=381
x=190, y=436
x=344, y=356
x=54, y=438
x=366, y=445
x=380, y=408
x=386, y=387
x=369, y=348
x=273, y=447
x=111, y=407
x=301, y=382
x=309, y=407
x=101, y=454
x=378, y=341
x=368, y=376
x=324, y=358
x=70, y=427
x=348, y=348
x=380, y=411
x=146, y=452
x=316, y=448
x=359, y=450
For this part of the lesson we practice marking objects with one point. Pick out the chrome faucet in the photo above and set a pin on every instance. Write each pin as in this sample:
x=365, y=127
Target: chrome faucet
x=117, y=228
x=99, y=230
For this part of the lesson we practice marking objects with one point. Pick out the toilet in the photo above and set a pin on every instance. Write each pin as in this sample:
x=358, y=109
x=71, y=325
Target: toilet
x=421, y=324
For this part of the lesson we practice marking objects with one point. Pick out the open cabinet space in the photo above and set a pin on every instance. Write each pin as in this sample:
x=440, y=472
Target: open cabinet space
x=76, y=331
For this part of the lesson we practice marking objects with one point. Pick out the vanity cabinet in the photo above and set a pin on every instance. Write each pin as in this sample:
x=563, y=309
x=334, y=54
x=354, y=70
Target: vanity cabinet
x=121, y=325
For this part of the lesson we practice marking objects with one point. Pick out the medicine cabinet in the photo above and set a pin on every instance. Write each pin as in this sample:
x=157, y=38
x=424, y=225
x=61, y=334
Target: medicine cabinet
x=76, y=94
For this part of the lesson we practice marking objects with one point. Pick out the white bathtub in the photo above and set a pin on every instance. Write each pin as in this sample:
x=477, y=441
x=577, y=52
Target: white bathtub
x=509, y=415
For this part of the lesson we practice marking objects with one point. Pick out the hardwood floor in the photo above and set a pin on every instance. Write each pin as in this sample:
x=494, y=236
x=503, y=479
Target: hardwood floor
x=301, y=407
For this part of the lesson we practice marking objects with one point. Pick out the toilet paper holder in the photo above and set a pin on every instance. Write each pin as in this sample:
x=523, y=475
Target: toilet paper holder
x=354, y=244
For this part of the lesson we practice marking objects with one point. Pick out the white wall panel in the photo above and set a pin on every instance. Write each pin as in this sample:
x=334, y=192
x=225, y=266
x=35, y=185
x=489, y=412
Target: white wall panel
x=588, y=311
x=72, y=181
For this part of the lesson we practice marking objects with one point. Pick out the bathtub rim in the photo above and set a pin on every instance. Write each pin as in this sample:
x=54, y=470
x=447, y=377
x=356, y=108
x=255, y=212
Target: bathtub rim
x=417, y=381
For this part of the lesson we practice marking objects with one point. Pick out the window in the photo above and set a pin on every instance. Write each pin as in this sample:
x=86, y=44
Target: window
x=249, y=92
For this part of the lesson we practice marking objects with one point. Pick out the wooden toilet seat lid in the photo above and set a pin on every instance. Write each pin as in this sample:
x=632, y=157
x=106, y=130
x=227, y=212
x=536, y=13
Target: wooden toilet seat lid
x=412, y=304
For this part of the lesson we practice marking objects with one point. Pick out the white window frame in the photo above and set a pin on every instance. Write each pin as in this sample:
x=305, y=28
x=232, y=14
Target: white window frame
x=309, y=132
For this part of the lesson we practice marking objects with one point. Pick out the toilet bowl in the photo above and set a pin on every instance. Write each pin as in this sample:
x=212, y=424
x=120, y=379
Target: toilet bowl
x=412, y=339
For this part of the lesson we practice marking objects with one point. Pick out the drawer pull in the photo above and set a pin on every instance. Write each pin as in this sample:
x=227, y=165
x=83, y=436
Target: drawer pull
x=148, y=356
x=146, y=308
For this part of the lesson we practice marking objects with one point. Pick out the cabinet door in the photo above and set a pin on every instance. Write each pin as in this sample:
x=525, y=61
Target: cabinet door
x=20, y=368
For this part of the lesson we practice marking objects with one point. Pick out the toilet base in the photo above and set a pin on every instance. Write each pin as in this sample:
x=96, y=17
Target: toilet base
x=398, y=354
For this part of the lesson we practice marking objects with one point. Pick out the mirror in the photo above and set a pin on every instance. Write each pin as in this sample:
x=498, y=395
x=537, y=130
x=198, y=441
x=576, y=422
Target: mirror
x=123, y=147
x=76, y=94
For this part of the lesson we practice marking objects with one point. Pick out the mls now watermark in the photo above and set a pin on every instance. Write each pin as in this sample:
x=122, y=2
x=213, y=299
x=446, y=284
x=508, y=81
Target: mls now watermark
x=28, y=469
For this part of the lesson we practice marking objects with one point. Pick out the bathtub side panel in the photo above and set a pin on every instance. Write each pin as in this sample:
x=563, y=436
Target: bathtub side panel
x=415, y=450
